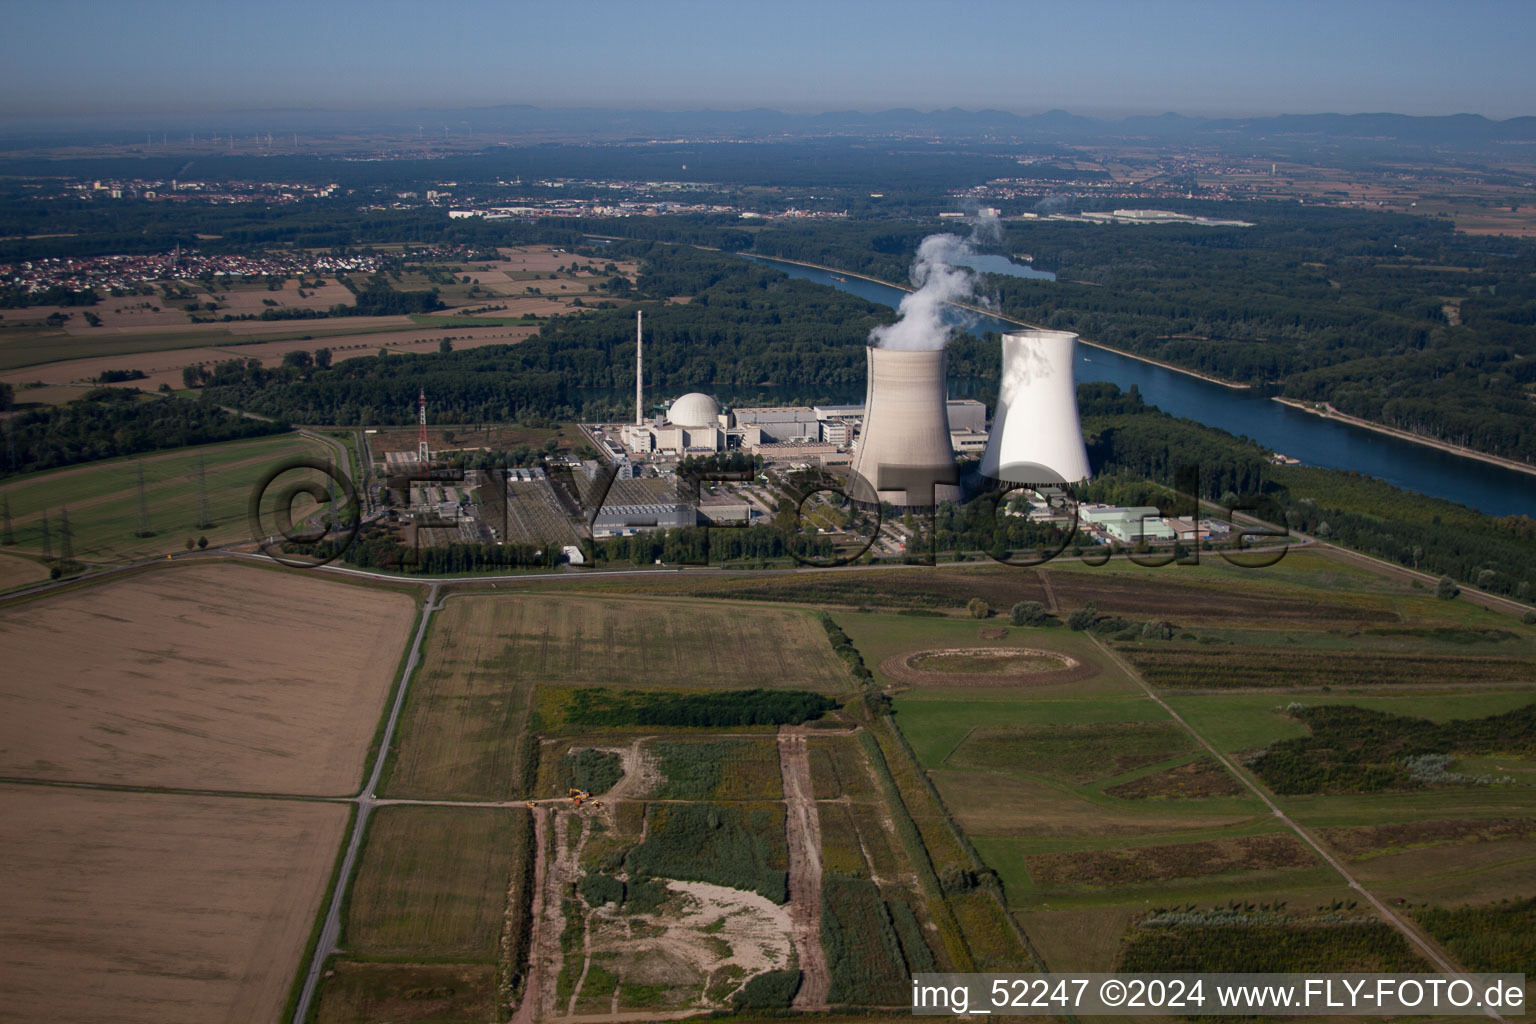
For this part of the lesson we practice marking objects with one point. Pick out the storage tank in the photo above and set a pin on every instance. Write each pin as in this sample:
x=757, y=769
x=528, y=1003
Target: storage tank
x=904, y=451
x=1037, y=436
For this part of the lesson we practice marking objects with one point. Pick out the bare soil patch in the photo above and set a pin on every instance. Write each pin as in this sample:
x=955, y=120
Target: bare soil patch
x=1364, y=840
x=204, y=677
x=1199, y=778
x=147, y=907
x=986, y=666
x=1142, y=864
x=803, y=828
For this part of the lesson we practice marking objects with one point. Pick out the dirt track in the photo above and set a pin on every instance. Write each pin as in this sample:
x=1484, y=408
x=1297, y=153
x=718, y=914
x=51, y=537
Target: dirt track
x=804, y=835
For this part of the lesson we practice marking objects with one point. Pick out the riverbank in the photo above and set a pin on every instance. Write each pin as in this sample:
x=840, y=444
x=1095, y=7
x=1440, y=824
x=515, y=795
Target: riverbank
x=1328, y=412
x=1012, y=320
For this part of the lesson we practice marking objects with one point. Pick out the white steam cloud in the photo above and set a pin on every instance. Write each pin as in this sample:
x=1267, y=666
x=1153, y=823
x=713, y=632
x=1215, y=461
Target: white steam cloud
x=939, y=279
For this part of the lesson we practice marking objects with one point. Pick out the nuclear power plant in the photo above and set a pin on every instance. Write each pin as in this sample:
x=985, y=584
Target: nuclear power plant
x=905, y=452
x=1037, y=437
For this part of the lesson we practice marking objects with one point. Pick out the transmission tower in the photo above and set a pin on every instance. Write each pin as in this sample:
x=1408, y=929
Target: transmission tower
x=423, y=454
x=66, y=539
x=143, y=530
x=204, y=520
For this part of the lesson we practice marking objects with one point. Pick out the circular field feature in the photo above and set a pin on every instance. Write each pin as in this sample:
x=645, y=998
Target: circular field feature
x=985, y=666
x=989, y=661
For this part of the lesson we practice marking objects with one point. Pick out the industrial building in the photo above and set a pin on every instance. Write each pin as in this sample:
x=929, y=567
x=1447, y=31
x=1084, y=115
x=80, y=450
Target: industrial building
x=905, y=455
x=1129, y=525
x=623, y=520
x=1037, y=435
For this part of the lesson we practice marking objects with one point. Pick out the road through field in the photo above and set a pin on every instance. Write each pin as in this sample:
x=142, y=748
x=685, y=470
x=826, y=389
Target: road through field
x=325, y=945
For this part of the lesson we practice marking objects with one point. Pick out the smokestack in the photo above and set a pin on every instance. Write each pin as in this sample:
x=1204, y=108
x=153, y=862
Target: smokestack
x=639, y=368
x=905, y=454
x=1037, y=436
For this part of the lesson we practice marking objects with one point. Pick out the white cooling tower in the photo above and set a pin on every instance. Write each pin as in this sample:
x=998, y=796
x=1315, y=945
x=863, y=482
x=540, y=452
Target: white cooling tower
x=1037, y=437
x=905, y=452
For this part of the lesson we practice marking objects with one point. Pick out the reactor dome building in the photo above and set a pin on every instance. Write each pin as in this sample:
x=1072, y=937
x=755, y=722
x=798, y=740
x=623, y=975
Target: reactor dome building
x=1037, y=435
x=905, y=454
x=694, y=410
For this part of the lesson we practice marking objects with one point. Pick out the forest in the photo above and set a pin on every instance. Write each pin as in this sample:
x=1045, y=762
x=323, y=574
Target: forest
x=109, y=422
x=1393, y=318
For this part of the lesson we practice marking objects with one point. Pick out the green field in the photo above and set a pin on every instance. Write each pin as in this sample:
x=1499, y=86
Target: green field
x=102, y=498
x=1093, y=805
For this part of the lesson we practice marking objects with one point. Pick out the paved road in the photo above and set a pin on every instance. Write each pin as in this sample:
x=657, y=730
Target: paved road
x=366, y=802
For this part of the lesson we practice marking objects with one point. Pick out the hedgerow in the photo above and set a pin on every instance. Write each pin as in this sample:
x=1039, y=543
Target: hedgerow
x=598, y=707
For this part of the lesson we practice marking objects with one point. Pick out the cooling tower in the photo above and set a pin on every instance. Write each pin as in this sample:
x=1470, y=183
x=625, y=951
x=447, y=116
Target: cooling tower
x=904, y=451
x=1037, y=437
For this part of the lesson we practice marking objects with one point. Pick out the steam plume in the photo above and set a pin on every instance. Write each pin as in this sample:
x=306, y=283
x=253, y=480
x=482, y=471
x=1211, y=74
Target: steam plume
x=939, y=280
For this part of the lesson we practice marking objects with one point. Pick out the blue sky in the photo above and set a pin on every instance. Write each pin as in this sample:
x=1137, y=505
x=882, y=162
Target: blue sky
x=1088, y=56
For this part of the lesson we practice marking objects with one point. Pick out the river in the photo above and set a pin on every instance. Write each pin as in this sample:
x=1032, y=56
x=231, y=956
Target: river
x=1312, y=439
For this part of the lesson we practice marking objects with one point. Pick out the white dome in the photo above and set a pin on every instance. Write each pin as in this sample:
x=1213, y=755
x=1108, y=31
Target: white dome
x=694, y=410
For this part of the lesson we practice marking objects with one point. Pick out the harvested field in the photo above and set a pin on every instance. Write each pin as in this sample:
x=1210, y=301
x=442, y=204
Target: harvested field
x=162, y=358
x=1225, y=667
x=146, y=907
x=20, y=572
x=204, y=677
x=1368, y=840
x=565, y=641
x=1139, y=865
x=463, y=731
x=986, y=666
x=1151, y=595
x=364, y=993
x=433, y=882
x=1072, y=752
x=1199, y=778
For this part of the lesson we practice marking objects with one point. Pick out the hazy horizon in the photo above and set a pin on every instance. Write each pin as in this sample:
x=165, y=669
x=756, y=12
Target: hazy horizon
x=1106, y=59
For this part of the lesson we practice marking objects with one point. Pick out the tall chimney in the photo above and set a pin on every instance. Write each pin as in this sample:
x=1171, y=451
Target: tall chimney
x=639, y=368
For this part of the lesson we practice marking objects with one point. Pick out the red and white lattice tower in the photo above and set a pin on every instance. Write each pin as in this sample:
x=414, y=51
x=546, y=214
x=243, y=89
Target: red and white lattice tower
x=423, y=454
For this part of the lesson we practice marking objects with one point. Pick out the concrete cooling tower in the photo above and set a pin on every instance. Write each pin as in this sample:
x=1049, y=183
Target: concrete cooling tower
x=1037, y=437
x=904, y=451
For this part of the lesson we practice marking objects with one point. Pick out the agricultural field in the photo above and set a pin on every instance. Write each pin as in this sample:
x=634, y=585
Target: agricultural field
x=463, y=734
x=141, y=906
x=436, y=914
x=500, y=303
x=252, y=691
x=1094, y=805
x=16, y=572
x=101, y=499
